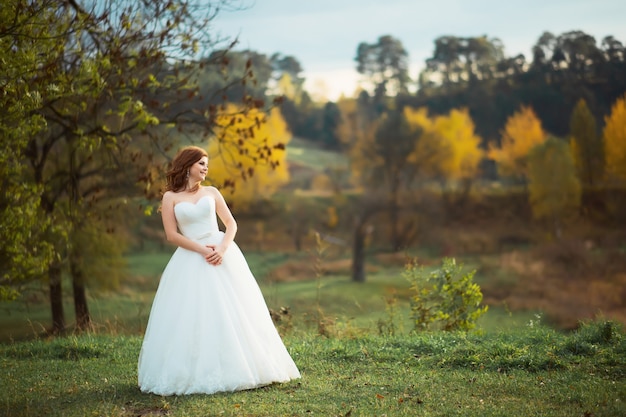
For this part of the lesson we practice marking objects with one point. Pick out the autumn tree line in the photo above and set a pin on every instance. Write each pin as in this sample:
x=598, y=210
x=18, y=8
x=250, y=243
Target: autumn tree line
x=97, y=96
x=554, y=126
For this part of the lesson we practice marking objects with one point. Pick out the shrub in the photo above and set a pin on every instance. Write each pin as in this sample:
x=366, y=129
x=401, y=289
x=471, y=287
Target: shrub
x=445, y=298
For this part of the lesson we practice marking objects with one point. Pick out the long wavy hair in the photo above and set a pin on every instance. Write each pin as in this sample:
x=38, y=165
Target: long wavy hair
x=176, y=177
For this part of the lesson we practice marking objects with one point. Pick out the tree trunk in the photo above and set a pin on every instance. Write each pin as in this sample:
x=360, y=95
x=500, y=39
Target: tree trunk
x=81, y=310
x=297, y=232
x=56, y=298
x=83, y=319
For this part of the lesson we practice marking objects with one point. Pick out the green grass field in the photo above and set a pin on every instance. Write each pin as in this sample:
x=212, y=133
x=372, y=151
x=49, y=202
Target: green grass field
x=345, y=306
x=338, y=332
x=536, y=372
x=306, y=153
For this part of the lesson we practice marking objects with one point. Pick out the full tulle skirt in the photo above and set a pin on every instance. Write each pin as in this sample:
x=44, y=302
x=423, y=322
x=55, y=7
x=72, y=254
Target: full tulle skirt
x=210, y=330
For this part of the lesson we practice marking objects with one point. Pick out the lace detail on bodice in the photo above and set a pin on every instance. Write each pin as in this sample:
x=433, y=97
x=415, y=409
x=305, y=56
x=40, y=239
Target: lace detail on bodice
x=197, y=220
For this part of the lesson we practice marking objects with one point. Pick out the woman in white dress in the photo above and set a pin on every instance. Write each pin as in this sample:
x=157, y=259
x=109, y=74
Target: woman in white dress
x=209, y=328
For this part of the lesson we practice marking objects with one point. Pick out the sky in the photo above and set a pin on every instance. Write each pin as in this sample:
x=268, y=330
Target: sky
x=324, y=34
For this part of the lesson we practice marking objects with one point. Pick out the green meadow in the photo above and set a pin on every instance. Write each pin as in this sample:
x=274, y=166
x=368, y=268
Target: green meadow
x=535, y=372
x=352, y=342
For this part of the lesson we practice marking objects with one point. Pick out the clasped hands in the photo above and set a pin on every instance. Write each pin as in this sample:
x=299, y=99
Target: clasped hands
x=214, y=255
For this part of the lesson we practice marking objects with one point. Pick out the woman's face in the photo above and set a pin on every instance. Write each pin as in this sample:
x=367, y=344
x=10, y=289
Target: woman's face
x=197, y=172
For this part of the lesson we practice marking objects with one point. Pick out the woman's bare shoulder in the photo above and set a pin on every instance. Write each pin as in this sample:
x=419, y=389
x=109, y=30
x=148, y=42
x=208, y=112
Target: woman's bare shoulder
x=169, y=198
x=168, y=195
x=211, y=189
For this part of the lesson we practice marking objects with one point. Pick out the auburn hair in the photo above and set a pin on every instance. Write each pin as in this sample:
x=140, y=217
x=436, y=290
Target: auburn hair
x=176, y=177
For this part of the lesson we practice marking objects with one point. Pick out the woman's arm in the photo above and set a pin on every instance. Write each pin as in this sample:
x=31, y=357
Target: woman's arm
x=227, y=218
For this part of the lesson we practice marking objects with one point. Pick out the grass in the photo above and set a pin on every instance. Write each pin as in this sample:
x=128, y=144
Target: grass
x=515, y=373
x=346, y=307
x=338, y=332
x=307, y=159
x=305, y=153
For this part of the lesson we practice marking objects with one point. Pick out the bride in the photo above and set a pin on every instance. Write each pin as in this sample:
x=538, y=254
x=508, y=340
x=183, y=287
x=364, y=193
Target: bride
x=209, y=328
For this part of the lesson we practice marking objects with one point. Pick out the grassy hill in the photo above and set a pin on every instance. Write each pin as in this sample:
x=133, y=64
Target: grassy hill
x=307, y=160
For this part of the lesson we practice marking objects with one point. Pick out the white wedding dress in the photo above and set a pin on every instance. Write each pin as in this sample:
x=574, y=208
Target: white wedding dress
x=209, y=328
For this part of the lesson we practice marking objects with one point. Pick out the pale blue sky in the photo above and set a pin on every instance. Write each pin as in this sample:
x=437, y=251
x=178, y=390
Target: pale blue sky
x=324, y=34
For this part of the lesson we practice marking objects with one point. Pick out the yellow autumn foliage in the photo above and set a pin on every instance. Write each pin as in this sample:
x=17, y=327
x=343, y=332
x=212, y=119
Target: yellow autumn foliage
x=357, y=132
x=585, y=144
x=554, y=187
x=444, y=147
x=363, y=155
x=457, y=130
x=347, y=128
x=521, y=133
x=248, y=156
x=448, y=145
x=614, y=134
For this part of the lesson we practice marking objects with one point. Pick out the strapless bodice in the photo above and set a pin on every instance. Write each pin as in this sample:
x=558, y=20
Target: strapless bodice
x=197, y=220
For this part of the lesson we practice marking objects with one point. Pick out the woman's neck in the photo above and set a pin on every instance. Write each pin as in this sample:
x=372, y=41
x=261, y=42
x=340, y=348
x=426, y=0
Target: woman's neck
x=192, y=187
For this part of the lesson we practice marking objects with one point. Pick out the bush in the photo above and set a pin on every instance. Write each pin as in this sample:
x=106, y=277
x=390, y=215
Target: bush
x=445, y=299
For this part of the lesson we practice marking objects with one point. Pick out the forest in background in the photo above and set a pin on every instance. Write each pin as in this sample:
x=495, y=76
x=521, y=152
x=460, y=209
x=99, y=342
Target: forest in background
x=490, y=153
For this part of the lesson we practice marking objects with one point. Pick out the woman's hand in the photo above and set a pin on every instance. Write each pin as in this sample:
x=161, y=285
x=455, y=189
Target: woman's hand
x=214, y=255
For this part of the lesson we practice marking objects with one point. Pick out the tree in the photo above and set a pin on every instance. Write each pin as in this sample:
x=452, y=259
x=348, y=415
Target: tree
x=521, y=133
x=353, y=122
x=95, y=255
x=378, y=149
x=573, y=52
x=331, y=117
x=448, y=148
x=614, y=135
x=543, y=50
x=253, y=143
x=117, y=85
x=289, y=68
x=446, y=60
x=463, y=145
x=386, y=163
x=24, y=47
x=100, y=57
x=562, y=69
x=379, y=153
x=578, y=52
x=459, y=60
x=615, y=54
x=554, y=188
x=240, y=73
x=587, y=147
x=364, y=208
x=385, y=64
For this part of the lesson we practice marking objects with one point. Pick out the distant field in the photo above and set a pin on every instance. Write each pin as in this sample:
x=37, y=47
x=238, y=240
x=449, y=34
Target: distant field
x=345, y=306
x=307, y=160
x=306, y=153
